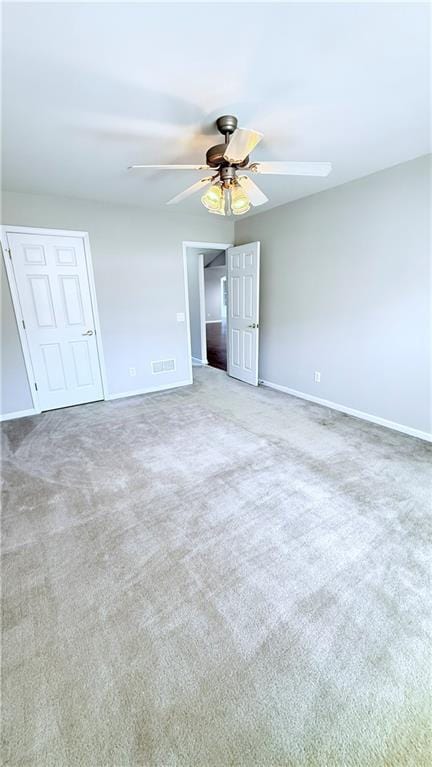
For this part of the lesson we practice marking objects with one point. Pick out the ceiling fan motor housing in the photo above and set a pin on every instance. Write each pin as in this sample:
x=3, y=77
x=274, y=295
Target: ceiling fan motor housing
x=215, y=157
x=226, y=125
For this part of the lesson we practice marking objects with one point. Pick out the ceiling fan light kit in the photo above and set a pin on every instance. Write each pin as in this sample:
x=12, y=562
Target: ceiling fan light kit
x=225, y=198
x=230, y=192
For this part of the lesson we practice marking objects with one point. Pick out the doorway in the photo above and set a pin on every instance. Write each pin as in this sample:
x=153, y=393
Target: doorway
x=215, y=308
x=207, y=298
x=222, y=302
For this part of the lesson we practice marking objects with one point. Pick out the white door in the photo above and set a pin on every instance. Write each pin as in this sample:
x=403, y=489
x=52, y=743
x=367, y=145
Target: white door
x=243, y=264
x=54, y=293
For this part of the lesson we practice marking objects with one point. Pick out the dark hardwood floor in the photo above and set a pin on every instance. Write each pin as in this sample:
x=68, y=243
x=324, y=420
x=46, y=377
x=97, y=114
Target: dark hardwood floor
x=216, y=345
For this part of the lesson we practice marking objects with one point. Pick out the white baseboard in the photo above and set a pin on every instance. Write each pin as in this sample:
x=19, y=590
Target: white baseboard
x=350, y=411
x=210, y=322
x=197, y=361
x=18, y=414
x=149, y=390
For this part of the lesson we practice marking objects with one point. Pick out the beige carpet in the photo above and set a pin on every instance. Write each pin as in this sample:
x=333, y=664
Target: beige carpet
x=210, y=577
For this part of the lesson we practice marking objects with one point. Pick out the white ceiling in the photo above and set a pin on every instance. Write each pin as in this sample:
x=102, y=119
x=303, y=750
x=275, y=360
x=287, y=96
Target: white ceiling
x=91, y=88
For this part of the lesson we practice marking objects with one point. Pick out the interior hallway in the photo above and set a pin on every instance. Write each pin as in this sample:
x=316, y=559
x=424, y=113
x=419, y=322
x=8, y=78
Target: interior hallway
x=216, y=333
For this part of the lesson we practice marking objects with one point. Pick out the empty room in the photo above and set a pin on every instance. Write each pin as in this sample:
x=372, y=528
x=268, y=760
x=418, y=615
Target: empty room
x=215, y=403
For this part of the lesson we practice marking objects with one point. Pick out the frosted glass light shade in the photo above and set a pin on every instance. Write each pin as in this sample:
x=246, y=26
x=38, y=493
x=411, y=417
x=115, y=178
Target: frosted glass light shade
x=239, y=201
x=212, y=198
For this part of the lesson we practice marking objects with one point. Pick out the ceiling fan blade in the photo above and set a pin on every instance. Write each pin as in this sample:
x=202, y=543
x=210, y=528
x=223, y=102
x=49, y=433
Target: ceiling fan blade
x=243, y=141
x=256, y=196
x=201, y=184
x=171, y=167
x=292, y=168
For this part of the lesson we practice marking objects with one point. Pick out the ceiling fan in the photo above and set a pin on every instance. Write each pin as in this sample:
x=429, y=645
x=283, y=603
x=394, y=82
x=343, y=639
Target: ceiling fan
x=230, y=191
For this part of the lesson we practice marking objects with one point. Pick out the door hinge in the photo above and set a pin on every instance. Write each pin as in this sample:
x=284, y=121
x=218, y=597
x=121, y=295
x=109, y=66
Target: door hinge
x=36, y=386
x=23, y=324
x=9, y=252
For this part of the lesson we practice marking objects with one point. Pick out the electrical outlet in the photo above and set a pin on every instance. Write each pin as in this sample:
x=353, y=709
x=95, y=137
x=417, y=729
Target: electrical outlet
x=317, y=376
x=180, y=317
x=132, y=372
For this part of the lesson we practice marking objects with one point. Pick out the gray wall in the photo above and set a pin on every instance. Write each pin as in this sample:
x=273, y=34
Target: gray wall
x=345, y=290
x=218, y=261
x=138, y=265
x=14, y=387
x=212, y=278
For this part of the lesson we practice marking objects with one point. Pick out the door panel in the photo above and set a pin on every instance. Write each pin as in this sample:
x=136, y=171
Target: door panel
x=53, y=287
x=243, y=264
x=248, y=288
x=34, y=254
x=65, y=257
x=42, y=303
x=72, y=301
x=53, y=367
x=82, y=363
x=235, y=348
x=248, y=351
x=235, y=297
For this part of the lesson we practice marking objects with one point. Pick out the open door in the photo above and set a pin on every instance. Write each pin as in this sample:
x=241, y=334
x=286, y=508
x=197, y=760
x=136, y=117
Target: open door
x=243, y=264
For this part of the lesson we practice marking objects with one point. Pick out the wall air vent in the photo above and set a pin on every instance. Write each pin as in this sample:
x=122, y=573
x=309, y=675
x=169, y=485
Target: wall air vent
x=163, y=366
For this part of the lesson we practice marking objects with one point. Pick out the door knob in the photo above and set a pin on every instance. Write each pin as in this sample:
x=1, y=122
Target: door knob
x=254, y=325
x=88, y=333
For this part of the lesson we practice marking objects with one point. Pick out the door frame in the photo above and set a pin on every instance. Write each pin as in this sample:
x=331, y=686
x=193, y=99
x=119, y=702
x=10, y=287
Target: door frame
x=201, y=287
x=224, y=307
x=205, y=246
x=4, y=231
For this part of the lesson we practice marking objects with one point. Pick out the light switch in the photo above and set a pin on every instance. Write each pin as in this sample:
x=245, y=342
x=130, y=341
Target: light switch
x=180, y=317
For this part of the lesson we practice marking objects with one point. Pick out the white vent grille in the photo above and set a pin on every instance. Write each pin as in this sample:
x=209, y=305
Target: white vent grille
x=163, y=366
